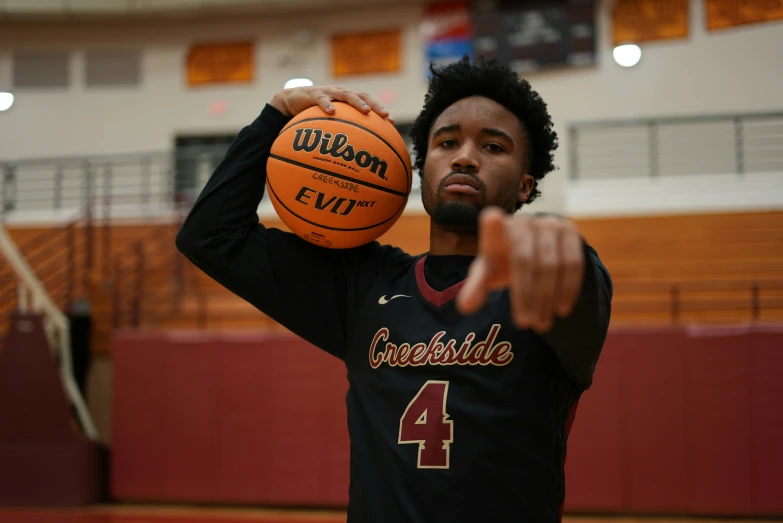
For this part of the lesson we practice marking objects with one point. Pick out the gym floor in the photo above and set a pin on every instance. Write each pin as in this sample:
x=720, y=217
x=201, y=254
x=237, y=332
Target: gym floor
x=172, y=514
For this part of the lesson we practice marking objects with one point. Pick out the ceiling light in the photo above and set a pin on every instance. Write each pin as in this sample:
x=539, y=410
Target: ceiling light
x=298, y=82
x=627, y=55
x=6, y=101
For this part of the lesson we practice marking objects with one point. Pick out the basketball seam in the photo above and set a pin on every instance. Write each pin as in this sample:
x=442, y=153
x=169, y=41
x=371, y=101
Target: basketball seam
x=271, y=189
x=341, y=176
x=404, y=166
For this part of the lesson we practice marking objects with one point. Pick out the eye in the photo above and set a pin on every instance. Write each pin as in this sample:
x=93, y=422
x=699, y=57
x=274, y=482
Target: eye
x=495, y=148
x=448, y=143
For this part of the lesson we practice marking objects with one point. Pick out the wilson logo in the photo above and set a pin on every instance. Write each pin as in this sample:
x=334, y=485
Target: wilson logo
x=333, y=204
x=337, y=146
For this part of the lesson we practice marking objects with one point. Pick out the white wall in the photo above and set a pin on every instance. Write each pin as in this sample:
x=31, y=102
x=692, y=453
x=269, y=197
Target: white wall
x=739, y=70
x=81, y=121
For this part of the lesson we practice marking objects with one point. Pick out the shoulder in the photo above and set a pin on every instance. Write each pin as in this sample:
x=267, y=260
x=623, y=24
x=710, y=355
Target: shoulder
x=386, y=257
x=369, y=266
x=375, y=259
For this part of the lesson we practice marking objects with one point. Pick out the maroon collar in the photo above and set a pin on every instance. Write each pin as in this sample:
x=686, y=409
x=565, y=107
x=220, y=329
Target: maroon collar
x=436, y=298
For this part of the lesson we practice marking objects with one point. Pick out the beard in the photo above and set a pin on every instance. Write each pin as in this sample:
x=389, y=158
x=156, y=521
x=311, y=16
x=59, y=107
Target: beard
x=456, y=215
x=463, y=214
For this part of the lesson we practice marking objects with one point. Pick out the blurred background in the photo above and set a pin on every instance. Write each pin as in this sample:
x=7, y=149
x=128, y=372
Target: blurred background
x=134, y=388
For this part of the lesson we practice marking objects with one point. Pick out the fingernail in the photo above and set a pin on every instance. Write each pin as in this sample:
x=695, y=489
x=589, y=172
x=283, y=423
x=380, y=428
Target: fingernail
x=365, y=106
x=330, y=107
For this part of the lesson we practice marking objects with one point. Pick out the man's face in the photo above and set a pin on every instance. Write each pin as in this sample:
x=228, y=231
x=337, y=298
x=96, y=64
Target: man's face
x=477, y=157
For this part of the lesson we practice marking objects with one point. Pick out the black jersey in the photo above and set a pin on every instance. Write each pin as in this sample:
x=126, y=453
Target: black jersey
x=451, y=418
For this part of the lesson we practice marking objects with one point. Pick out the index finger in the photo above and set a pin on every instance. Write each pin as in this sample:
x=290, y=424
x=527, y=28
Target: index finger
x=485, y=269
x=344, y=95
x=474, y=291
x=493, y=244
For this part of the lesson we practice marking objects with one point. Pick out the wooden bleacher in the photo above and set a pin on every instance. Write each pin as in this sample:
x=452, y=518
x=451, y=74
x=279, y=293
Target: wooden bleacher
x=715, y=258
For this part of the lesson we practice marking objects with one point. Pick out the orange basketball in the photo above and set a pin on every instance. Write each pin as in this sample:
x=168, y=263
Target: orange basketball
x=339, y=180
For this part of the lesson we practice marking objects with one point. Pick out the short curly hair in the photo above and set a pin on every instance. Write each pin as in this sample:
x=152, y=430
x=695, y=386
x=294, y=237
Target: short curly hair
x=496, y=81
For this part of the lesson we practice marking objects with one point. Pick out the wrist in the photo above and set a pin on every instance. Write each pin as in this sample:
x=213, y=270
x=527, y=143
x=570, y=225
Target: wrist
x=271, y=120
x=278, y=103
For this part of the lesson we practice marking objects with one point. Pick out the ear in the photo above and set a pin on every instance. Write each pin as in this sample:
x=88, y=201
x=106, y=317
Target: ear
x=526, y=185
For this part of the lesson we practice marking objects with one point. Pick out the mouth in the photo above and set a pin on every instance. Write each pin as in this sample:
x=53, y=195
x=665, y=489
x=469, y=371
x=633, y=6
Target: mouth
x=462, y=184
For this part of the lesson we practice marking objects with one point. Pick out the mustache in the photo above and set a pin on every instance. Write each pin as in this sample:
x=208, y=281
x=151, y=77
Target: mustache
x=463, y=173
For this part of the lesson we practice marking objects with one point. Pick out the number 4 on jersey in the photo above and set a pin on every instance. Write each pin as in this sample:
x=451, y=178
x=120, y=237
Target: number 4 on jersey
x=426, y=422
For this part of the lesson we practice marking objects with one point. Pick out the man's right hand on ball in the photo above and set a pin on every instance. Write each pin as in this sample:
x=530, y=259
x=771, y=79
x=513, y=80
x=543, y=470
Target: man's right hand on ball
x=295, y=100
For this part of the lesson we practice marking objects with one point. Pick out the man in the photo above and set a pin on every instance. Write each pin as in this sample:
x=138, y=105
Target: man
x=465, y=364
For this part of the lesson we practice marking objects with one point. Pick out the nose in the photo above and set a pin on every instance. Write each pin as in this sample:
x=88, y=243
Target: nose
x=466, y=158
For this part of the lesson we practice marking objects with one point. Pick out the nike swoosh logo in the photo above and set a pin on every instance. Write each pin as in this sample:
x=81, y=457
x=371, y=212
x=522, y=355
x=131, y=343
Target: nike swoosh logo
x=383, y=301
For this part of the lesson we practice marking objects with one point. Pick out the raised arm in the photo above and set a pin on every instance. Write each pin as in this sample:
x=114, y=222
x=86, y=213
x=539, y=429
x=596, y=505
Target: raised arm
x=304, y=287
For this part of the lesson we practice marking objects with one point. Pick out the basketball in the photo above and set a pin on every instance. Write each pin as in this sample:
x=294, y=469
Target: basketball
x=340, y=180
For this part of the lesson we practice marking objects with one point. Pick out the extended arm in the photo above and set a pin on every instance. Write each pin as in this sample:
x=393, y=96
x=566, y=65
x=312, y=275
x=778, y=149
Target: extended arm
x=557, y=284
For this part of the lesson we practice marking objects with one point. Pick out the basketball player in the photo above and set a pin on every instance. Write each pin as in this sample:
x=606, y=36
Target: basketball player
x=465, y=364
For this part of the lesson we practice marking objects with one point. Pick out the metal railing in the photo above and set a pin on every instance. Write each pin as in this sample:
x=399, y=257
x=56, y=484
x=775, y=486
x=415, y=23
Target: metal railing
x=32, y=294
x=155, y=183
x=104, y=187
x=652, y=147
x=755, y=299
x=60, y=257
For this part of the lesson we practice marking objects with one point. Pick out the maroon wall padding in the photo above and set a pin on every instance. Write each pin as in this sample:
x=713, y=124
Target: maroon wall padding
x=32, y=403
x=767, y=413
x=44, y=459
x=228, y=418
x=653, y=387
x=594, y=461
x=723, y=480
x=677, y=421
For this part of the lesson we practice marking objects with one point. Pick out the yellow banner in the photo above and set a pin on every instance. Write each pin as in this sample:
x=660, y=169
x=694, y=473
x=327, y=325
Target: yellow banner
x=730, y=13
x=366, y=53
x=636, y=21
x=220, y=63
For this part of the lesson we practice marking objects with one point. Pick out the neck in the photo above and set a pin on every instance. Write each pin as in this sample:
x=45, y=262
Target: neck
x=452, y=241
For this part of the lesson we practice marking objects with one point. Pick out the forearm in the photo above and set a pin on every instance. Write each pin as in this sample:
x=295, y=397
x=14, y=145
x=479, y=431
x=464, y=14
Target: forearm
x=578, y=338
